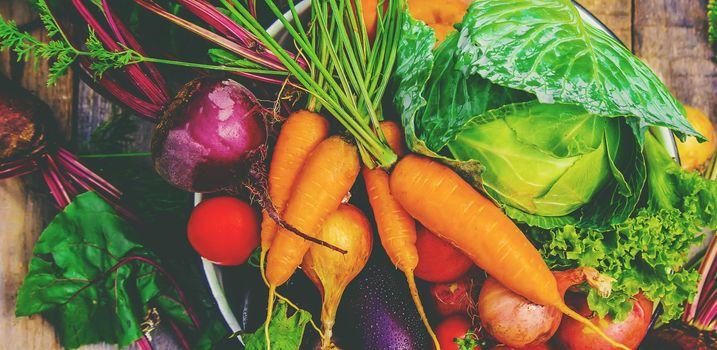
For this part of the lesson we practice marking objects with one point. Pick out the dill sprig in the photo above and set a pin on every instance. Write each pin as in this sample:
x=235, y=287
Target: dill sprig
x=62, y=54
x=59, y=50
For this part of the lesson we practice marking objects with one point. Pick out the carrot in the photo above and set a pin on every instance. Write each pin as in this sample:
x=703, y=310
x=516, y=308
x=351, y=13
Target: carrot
x=447, y=205
x=301, y=133
x=396, y=228
x=324, y=180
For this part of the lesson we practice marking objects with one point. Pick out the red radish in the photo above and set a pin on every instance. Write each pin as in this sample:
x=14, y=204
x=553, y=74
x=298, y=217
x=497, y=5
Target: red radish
x=514, y=321
x=224, y=230
x=629, y=332
x=542, y=346
x=455, y=297
x=209, y=136
x=452, y=331
x=438, y=260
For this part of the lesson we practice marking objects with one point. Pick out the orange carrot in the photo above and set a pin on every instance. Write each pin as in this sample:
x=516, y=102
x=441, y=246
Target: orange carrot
x=396, y=228
x=324, y=180
x=301, y=133
x=447, y=205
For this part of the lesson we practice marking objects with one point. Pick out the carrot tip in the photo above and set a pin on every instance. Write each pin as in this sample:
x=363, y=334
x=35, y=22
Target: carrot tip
x=576, y=316
x=419, y=306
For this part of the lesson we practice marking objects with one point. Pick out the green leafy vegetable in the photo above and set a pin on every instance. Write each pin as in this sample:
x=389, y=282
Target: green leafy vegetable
x=712, y=18
x=648, y=251
x=544, y=47
x=90, y=281
x=286, y=331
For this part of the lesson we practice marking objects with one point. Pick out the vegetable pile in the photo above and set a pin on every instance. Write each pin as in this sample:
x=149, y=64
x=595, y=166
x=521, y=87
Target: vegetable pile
x=514, y=166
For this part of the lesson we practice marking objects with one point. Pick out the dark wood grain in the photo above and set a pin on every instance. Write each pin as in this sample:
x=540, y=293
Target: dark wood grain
x=616, y=14
x=671, y=37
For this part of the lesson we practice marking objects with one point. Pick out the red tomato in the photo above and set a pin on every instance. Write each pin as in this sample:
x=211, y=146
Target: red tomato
x=630, y=332
x=438, y=260
x=451, y=328
x=224, y=230
x=454, y=297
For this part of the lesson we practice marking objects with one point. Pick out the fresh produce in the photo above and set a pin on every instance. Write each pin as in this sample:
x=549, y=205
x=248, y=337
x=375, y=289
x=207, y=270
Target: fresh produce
x=457, y=297
x=461, y=215
x=95, y=285
x=27, y=145
x=325, y=179
x=543, y=346
x=679, y=204
x=630, y=332
x=515, y=321
x=287, y=329
x=209, y=135
x=456, y=333
x=696, y=329
x=300, y=134
x=380, y=313
x=438, y=260
x=330, y=271
x=396, y=228
x=440, y=16
x=224, y=230
x=505, y=80
x=695, y=155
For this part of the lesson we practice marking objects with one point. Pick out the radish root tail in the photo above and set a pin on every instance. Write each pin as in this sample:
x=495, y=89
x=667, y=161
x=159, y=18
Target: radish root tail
x=419, y=306
x=576, y=316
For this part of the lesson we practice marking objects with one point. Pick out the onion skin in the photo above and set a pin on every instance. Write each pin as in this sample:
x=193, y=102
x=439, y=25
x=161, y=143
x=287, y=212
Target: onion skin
x=208, y=135
x=516, y=322
x=630, y=332
x=332, y=272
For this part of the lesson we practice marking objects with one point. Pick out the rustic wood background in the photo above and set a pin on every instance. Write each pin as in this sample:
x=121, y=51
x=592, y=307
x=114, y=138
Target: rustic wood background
x=669, y=35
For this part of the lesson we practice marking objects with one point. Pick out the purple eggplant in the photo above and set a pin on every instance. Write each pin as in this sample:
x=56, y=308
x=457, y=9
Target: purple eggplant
x=377, y=312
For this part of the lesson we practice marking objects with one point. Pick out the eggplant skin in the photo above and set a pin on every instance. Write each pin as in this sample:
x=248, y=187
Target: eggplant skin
x=377, y=312
x=22, y=118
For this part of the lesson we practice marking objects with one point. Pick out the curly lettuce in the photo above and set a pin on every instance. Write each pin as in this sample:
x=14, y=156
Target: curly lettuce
x=648, y=251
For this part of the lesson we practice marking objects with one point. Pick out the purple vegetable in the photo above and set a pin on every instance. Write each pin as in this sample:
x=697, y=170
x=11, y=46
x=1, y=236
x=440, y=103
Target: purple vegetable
x=378, y=312
x=209, y=136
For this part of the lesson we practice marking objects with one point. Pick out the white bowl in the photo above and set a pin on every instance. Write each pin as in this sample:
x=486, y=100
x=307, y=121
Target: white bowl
x=214, y=273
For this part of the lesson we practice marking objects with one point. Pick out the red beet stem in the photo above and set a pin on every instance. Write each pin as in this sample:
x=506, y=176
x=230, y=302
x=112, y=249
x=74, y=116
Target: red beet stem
x=179, y=335
x=17, y=168
x=126, y=38
x=72, y=164
x=136, y=76
x=144, y=343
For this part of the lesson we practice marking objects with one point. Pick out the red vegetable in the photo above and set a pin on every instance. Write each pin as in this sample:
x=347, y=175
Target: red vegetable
x=542, y=346
x=26, y=145
x=455, y=327
x=438, y=260
x=209, y=136
x=514, y=321
x=224, y=230
x=629, y=332
x=455, y=297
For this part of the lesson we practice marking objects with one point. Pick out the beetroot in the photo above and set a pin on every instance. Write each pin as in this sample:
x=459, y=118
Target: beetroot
x=25, y=148
x=206, y=139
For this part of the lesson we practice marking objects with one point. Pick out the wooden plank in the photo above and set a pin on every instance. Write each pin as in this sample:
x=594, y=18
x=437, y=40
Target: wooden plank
x=616, y=14
x=671, y=37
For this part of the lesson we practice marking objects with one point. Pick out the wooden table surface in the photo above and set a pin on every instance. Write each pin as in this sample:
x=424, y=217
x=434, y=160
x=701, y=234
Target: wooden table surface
x=669, y=35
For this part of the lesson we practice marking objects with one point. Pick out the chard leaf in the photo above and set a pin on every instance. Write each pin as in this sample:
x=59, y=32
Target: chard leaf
x=285, y=331
x=545, y=48
x=69, y=284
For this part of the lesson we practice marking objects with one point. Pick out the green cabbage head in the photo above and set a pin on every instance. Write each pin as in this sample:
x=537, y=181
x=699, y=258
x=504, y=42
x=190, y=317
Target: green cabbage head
x=543, y=159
